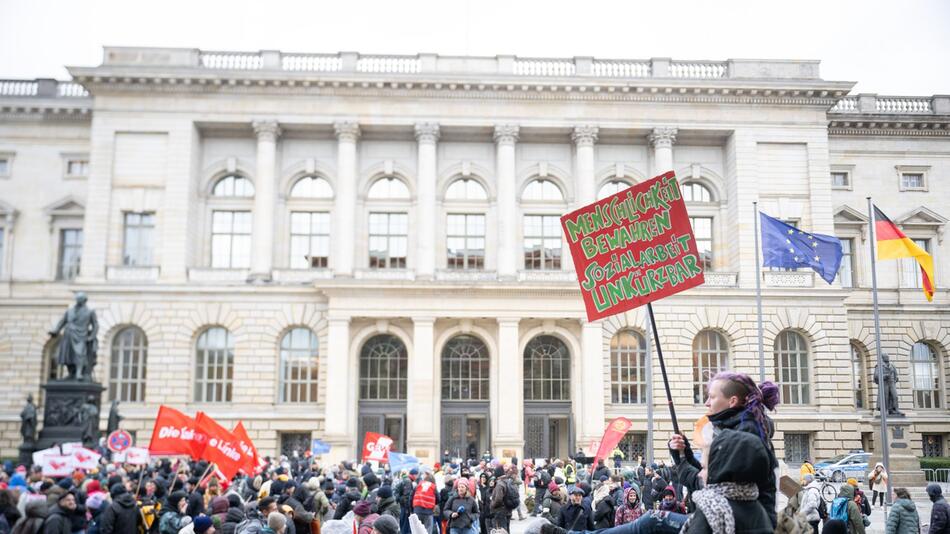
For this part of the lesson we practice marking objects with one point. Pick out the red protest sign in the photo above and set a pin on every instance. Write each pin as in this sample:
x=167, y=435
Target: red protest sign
x=173, y=434
x=251, y=460
x=616, y=429
x=376, y=447
x=633, y=247
x=221, y=446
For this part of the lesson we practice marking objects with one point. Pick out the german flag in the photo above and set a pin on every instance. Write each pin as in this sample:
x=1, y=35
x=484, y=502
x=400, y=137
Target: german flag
x=892, y=244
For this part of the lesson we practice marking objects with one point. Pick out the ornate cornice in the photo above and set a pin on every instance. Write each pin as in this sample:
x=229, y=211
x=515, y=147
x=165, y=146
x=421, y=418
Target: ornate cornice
x=905, y=126
x=506, y=134
x=585, y=135
x=663, y=137
x=347, y=131
x=266, y=130
x=427, y=132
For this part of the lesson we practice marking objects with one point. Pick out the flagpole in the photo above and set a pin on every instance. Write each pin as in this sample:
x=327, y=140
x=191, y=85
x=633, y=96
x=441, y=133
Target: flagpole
x=758, y=294
x=881, y=397
x=649, y=378
x=666, y=380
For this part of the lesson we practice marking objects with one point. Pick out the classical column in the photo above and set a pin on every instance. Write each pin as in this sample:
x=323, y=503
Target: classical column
x=340, y=413
x=590, y=422
x=662, y=140
x=421, y=437
x=427, y=135
x=344, y=203
x=178, y=201
x=265, y=200
x=508, y=413
x=584, y=138
x=505, y=138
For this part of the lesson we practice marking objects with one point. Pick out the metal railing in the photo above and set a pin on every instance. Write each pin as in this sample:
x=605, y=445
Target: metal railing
x=941, y=475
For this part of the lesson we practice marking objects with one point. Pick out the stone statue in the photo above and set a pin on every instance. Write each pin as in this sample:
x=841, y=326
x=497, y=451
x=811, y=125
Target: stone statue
x=89, y=422
x=28, y=421
x=78, y=347
x=889, y=374
x=114, y=418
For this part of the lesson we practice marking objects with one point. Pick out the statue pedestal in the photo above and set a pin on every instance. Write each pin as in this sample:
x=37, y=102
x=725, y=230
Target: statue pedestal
x=64, y=399
x=905, y=469
x=26, y=454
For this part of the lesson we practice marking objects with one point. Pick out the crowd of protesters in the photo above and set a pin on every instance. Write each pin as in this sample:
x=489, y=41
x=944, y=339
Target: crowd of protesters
x=731, y=488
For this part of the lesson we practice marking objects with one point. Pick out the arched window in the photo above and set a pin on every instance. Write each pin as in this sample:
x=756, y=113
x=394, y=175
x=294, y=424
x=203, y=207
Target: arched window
x=791, y=367
x=466, y=189
x=214, y=365
x=388, y=188
x=710, y=355
x=299, y=366
x=612, y=187
x=695, y=192
x=544, y=191
x=857, y=369
x=384, y=366
x=233, y=185
x=547, y=370
x=128, y=365
x=465, y=365
x=311, y=187
x=628, y=368
x=923, y=359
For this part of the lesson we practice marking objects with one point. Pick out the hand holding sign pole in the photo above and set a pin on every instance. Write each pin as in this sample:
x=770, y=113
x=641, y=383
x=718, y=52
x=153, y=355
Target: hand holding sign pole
x=632, y=248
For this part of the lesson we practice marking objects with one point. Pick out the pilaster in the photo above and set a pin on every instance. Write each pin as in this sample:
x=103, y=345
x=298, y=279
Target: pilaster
x=507, y=371
x=344, y=206
x=340, y=419
x=505, y=138
x=427, y=135
x=265, y=200
x=662, y=139
x=422, y=438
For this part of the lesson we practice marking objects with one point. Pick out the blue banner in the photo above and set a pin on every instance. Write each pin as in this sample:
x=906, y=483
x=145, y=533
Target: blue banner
x=399, y=461
x=319, y=447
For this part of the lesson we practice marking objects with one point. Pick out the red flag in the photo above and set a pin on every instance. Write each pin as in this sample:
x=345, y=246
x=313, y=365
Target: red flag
x=221, y=446
x=250, y=463
x=173, y=434
x=376, y=447
x=612, y=436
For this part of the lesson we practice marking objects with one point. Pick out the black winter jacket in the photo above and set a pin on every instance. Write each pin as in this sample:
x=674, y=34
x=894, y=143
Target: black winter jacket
x=604, y=513
x=57, y=522
x=231, y=520
x=575, y=517
x=940, y=517
x=121, y=516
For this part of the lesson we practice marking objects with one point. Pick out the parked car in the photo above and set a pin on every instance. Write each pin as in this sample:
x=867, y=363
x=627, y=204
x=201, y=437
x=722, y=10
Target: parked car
x=844, y=466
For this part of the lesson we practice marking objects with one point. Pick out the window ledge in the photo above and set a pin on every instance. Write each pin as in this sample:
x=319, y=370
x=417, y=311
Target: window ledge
x=465, y=275
x=302, y=276
x=208, y=274
x=126, y=273
x=720, y=279
x=384, y=274
x=789, y=278
x=546, y=276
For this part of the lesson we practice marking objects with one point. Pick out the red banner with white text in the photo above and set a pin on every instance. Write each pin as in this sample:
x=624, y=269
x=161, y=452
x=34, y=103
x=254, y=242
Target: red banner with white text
x=173, y=434
x=376, y=447
x=221, y=446
x=251, y=462
x=615, y=431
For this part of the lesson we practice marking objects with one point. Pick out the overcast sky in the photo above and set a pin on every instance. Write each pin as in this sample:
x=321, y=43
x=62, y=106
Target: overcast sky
x=888, y=47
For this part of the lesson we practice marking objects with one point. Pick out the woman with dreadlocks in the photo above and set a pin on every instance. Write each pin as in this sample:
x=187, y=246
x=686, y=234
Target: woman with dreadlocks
x=735, y=402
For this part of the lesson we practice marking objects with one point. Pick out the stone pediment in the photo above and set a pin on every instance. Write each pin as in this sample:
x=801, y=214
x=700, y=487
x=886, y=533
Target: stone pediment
x=64, y=207
x=921, y=216
x=846, y=215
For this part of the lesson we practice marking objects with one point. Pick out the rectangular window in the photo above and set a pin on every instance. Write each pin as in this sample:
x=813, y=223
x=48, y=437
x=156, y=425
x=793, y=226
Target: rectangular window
x=796, y=448
x=309, y=239
x=932, y=445
x=702, y=231
x=840, y=180
x=910, y=269
x=913, y=181
x=231, y=239
x=137, y=247
x=465, y=241
x=857, y=369
x=846, y=271
x=4, y=167
x=76, y=168
x=388, y=240
x=70, y=253
x=542, y=242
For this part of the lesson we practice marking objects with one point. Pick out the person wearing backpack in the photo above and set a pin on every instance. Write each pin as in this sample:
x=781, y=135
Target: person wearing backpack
x=903, y=518
x=504, y=499
x=843, y=508
x=812, y=505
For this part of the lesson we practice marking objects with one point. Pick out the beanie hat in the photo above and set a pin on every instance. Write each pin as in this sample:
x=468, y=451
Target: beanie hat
x=352, y=483
x=384, y=492
x=234, y=500
x=117, y=489
x=552, y=487
x=362, y=508
x=65, y=483
x=202, y=524
x=313, y=484
x=277, y=487
x=93, y=486
x=370, y=479
x=853, y=482
x=414, y=471
x=276, y=521
x=386, y=524
x=499, y=471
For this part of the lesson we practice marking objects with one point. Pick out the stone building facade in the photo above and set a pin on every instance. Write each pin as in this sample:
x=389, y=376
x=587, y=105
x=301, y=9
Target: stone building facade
x=322, y=245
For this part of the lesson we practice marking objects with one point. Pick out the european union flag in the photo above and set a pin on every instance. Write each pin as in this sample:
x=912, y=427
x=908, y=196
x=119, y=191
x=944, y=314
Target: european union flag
x=787, y=247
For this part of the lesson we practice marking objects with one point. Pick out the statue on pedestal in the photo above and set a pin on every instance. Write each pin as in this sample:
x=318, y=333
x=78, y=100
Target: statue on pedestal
x=89, y=422
x=114, y=418
x=79, y=345
x=889, y=387
x=28, y=421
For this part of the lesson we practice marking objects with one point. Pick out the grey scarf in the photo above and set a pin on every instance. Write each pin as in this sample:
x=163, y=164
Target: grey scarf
x=714, y=499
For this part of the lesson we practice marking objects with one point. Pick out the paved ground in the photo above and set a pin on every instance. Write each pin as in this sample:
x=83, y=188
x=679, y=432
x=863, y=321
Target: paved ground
x=877, y=514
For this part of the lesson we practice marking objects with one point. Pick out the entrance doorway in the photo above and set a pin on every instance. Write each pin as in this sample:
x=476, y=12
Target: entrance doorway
x=465, y=435
x=465, y=366
x=392, y=425
x=384, y=366
x=548, y=425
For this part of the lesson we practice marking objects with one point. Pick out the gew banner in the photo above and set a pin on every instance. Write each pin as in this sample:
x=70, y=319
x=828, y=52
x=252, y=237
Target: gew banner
x=633, y=247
